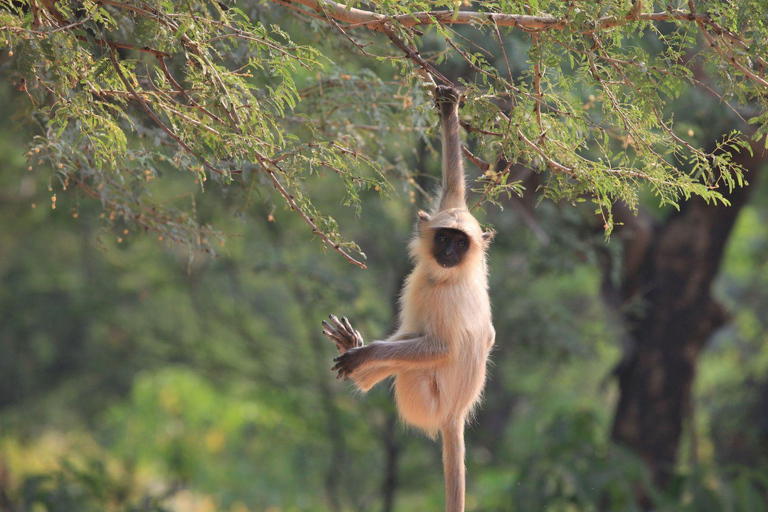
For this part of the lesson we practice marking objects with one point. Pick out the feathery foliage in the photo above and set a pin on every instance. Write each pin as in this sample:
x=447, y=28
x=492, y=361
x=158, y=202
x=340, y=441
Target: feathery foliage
x=244, y=95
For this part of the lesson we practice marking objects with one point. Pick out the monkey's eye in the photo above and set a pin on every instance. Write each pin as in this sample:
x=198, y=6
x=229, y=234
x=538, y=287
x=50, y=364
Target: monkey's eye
x=462, y=243
x=442, y=238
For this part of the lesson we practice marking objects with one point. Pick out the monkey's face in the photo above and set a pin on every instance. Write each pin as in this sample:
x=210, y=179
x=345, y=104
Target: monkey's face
x=449, y=247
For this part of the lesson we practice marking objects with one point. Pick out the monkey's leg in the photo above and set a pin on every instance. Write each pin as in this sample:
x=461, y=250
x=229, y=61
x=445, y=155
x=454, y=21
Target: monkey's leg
x=416, y=352
x=453, y=465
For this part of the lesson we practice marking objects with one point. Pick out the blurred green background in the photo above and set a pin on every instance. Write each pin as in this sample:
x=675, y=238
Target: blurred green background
x=134, y=376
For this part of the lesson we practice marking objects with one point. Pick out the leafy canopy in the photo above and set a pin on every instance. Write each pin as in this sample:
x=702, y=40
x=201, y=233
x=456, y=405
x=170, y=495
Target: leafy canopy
x=256, y=96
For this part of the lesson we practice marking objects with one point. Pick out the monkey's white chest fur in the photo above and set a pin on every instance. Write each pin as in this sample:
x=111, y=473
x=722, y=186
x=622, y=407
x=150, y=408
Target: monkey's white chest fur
x=457, y=316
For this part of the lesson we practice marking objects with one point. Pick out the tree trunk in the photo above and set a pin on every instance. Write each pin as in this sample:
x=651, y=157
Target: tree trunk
x=669, y=313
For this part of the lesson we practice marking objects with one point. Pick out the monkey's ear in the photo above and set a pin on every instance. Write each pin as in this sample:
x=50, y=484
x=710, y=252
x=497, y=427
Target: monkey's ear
x=423, y=222
x=488, y=236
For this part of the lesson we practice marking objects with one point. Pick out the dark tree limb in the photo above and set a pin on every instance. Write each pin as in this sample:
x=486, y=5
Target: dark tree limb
x=666, y=303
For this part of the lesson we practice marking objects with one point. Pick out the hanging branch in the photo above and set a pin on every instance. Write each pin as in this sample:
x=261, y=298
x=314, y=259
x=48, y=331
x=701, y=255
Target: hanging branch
x=317, y=231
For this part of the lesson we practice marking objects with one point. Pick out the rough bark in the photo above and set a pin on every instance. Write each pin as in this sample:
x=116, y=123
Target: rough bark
x=666, y=304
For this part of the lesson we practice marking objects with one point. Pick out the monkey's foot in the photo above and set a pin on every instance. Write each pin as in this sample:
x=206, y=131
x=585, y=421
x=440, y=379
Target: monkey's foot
x=342, y=334
x=347, y=362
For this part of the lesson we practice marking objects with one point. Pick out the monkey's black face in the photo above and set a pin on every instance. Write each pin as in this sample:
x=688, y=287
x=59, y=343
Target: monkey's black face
x=449, y=247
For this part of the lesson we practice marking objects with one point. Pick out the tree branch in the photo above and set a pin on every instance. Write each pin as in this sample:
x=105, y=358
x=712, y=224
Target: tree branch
x=414, y=55
x=727, y=57
x=376, y=21
x=293, y=206
x=156, y=119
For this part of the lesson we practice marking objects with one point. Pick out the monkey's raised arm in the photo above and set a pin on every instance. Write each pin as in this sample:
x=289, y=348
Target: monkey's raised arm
x=453, y=194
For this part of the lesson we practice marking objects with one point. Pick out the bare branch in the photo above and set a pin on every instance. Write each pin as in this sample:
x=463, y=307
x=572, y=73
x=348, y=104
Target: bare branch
x=482, y=164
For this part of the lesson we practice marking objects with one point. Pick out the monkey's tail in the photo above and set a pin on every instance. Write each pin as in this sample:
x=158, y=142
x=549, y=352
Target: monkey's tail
x=453, y=465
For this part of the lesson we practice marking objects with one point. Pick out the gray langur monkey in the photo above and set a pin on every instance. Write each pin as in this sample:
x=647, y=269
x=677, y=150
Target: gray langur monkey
x=438, y=354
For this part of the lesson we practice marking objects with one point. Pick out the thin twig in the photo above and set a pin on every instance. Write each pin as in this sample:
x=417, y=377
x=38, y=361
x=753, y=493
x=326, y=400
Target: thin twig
x=506, y=60
x=414, y=56
x=156, y=119
x=537, y=83
x=482, y=164
x=292, y=204
x=183, y=92
x=730, y=58
x=496, y=180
